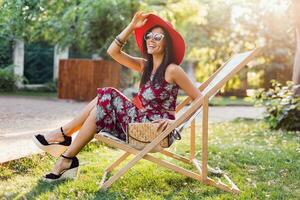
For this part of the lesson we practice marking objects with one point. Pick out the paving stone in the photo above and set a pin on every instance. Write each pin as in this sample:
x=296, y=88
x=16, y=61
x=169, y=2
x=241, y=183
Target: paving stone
x=22, y=117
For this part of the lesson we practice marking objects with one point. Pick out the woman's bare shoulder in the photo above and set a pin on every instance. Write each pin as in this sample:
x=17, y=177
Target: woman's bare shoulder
x=172, y=72
x=173, y=68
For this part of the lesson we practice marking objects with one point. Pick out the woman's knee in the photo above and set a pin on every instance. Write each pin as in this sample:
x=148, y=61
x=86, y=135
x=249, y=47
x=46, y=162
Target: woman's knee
x=94, y=101
x=107, y=90
x=93, y=112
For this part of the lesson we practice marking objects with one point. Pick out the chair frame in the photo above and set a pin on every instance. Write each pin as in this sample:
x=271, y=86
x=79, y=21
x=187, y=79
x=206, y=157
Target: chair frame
x=202, y=169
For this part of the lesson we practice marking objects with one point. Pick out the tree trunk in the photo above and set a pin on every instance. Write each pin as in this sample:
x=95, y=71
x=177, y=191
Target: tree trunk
x=191, y=70
x=296, y=68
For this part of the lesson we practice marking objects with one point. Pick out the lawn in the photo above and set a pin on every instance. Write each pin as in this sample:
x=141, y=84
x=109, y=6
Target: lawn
x=226, y=101
x=34, y=94
x=264, y=164
x=231, y=101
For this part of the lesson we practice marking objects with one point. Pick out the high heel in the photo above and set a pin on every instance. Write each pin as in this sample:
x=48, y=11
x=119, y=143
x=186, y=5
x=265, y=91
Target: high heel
x=70, y=173
x=55, y=149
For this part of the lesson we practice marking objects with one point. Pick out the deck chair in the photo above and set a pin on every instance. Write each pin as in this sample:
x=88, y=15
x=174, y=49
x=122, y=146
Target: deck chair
x=186, y=118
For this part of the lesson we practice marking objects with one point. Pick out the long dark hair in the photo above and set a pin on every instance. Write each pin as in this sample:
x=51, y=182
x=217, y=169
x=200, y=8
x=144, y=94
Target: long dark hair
x=168, y=59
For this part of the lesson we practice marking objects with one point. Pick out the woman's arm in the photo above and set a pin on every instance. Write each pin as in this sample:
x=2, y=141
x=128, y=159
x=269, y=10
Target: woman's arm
x=115, y=50
x=178, y=76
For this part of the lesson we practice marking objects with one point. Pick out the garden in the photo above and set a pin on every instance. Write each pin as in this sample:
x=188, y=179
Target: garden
x=260, y=155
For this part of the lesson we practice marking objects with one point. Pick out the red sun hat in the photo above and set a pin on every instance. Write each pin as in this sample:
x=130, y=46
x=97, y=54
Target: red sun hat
x=177, y=40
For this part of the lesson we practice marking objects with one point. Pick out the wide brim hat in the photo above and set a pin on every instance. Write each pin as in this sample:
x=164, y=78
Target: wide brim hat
x=177, y=40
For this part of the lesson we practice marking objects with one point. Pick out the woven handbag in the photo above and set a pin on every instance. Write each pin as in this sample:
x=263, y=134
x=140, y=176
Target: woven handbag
x=141, y=134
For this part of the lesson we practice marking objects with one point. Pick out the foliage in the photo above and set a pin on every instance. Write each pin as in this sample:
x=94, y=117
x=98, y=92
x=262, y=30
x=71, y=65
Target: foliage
x=6, y=52
x=282, y=106
x=213, y=31
x=263, y=163
x=52, y=86
x=8, y=80
x=103, y=22
x=88, y=25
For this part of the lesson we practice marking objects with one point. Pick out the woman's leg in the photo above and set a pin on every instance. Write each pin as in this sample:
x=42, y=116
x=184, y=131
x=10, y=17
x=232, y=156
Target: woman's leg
x=72, y=126
x=86, y=134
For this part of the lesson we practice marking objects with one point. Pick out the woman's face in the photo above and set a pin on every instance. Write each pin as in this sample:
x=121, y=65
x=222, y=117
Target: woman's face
x=155, y=41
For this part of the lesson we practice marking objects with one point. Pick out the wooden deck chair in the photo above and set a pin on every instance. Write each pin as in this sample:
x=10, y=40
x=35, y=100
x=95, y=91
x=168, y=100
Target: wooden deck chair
x=209, y=88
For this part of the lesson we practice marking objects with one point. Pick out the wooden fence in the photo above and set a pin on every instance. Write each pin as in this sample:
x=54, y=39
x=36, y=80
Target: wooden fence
x=79, y=78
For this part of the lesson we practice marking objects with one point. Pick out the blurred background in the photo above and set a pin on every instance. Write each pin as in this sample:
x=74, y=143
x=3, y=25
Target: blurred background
x=34, y=35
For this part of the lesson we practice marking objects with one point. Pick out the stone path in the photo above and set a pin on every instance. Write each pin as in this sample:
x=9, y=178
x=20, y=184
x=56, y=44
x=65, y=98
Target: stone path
x=22, y=117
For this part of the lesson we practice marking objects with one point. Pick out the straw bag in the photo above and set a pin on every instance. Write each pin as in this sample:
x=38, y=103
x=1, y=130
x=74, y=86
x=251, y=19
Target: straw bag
x=141, y=134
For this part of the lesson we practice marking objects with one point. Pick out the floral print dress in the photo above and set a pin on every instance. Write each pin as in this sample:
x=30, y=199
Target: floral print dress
x=115, y=111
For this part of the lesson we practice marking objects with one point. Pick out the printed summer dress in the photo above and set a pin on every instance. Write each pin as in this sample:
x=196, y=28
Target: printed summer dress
x=115, y=111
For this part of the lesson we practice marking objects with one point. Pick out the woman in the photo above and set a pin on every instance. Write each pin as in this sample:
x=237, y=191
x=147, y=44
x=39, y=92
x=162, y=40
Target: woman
x=163, y=48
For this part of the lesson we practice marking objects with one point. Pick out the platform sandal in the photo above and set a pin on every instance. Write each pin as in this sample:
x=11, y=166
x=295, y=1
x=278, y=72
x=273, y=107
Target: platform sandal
x=70, y=173
x=55, y=148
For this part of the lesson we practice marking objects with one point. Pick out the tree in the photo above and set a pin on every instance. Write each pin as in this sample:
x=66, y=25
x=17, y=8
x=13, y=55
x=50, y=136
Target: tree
x=296, y=69
x=88, y=24
x=213, y=31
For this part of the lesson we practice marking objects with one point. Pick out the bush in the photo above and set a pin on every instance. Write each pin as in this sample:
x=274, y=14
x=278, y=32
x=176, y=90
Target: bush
x=50, y=86
x=282, y=106
x=8, y=79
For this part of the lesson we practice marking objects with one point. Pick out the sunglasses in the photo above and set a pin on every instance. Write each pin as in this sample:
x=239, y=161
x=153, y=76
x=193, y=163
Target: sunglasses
x=155, y=36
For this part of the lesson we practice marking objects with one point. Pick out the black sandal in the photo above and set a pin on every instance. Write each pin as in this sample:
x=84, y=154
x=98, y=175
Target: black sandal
x=55, y=149
x=70, y=173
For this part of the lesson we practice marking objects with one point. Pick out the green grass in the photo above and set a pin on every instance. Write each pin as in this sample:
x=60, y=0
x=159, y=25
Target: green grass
x=264, y=164
x=231, y=101
x=30, y=94
x=226, y=101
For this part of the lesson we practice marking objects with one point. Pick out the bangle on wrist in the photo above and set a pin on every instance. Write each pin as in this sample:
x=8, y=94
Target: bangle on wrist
x=118, y=43
x=121, y=42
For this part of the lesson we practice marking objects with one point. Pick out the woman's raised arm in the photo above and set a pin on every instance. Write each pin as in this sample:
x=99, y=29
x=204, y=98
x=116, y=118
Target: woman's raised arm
x=115, y=49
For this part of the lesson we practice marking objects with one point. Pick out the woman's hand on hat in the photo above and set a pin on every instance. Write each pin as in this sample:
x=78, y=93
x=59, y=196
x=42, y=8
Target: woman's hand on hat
x=139, y=19
x=163, y=123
